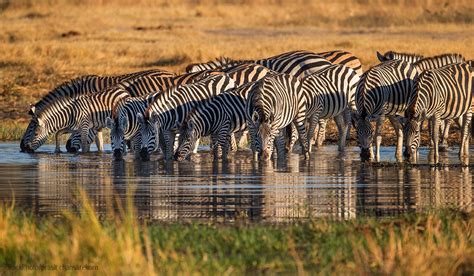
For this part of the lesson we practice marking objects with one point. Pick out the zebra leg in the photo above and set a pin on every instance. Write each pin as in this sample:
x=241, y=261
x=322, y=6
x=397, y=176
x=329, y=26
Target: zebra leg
x=399, y=132
x=280, y=143
x=99, y=141
x=58, y=147
x=435, y=138
x=215, y=147
x=252, y=134
x=465, y=135
x=196, y=146
x=169, y=141
x=233, y=142
x=299, y=123
x=321, y=132
x=348, y=119
x=378, y=137
x=243, y=141
x=342, y=130
x=314, y=122
x=226, y=144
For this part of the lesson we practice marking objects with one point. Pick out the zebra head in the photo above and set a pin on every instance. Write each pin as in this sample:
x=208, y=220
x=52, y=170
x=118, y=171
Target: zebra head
x=411, y=132
x=365, y=134
x=29, y=133
x=264, y=134
x=118, y=125
x=149, y=131
x=188, y=136
x=40, y=135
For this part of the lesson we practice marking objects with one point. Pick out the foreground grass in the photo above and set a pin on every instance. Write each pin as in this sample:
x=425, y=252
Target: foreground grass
x=436, y=243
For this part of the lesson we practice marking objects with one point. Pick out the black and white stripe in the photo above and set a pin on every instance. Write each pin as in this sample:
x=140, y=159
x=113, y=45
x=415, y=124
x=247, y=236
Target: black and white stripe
x=383, y=91
x=61, y=96
x=169, y=110
x=441, y=94
x=330, y=93
x=123, y=123
x=273, y=104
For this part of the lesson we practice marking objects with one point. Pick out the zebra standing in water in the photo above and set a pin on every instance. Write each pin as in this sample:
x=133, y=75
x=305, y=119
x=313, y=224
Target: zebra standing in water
x=169, y=110
x=272, y=105
x=61, y=116
x=383, y=91
x=329, y=94
x=440, y=94
x=218, y=117
x=62, y=95
x=123, y=122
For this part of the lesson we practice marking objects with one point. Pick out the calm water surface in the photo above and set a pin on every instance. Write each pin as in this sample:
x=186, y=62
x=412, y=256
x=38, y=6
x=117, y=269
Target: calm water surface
x=329, y=184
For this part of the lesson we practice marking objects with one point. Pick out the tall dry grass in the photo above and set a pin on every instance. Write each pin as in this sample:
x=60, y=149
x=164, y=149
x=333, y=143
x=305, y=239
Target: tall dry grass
x=43, y=43
x=437, y=243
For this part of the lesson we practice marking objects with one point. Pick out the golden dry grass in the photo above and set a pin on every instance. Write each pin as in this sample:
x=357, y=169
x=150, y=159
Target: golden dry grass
x=45, y=43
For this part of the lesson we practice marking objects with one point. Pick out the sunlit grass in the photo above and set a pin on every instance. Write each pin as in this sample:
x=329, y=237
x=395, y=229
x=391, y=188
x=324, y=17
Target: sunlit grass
x=436, y=243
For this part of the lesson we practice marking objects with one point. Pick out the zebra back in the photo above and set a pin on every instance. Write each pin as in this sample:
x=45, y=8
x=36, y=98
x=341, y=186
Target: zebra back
x=444, y=92
x=385, y=88
x=246, y=73
x=83, y=85
x=343, y=58
x=391, y=55
x=438, y=61
x=331, y=89
x=177, y=101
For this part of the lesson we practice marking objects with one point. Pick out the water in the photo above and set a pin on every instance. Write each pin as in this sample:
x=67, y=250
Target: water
x=329, y=184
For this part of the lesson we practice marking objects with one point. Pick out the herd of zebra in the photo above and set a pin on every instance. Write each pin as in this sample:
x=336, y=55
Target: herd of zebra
x=276, y=102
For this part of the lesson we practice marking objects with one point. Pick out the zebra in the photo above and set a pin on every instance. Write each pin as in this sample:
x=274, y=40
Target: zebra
x=433, y=63
x=123, y=122
x=59, y=116
x=218, y=117
x=297, y=63
x=273, y=104
x=440, y=94
x=64, y=93
x=169, y=109
x=329, y=94
x=391, y=55
x=383, y=91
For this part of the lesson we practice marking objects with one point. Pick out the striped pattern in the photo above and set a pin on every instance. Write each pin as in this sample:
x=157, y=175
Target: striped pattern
x=391, y=55
x=123, y=122
x=383, y=91
x=169, y=110
x=218, y=117
x=63, y=116
x=272, y=105
x=329, y=94
x=440, y=94
x=60, y=97
x=438, y=61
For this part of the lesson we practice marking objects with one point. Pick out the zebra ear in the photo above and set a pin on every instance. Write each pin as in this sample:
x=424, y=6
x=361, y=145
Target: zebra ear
x=109, y=122
x=255, y=116
x=381, y=57
x=32, y=110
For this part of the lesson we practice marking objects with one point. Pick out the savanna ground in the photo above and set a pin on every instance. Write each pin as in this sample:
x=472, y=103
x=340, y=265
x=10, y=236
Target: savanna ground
x=46, y=43
x=43, y=43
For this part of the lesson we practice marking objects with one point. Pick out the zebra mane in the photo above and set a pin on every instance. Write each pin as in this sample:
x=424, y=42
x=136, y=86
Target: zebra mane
x=219, y=63
x=438, y=61
x=62, y=91
x=159, y=96
x=408, y=57
x=120, y=103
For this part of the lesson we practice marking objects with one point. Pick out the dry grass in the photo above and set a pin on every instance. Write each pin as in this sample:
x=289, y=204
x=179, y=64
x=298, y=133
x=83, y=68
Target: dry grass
x=437, y=243
x=43, y=44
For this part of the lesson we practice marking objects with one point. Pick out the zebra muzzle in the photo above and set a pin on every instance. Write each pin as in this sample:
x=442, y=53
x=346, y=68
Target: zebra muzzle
x=365, y=154
x=144, y=154
x=118, y=154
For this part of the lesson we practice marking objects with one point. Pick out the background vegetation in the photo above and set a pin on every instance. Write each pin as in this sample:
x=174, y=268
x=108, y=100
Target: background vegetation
x=437, y=243
x=43, y=43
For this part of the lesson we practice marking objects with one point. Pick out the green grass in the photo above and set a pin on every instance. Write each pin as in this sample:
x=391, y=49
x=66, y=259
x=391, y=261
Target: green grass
x=436, y=243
